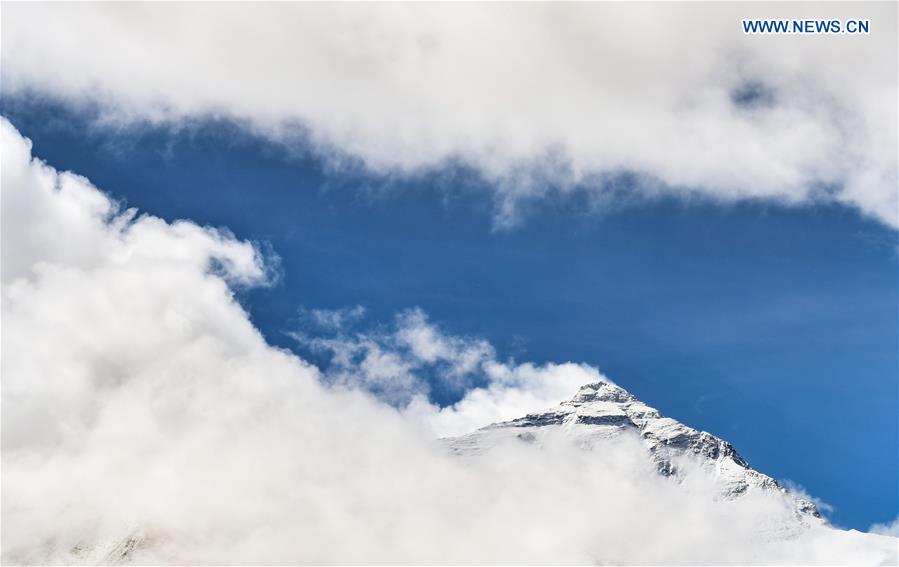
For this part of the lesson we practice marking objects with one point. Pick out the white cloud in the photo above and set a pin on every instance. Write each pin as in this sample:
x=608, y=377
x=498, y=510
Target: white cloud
x=511, y=391
x=800, y=492
x=333, y=319
x=536, y=97
x=891, y=529
x=399, y=363
x=140, y=404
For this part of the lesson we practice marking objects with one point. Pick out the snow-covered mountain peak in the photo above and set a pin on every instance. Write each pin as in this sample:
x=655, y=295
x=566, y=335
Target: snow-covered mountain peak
x=601, y=410
x=602, y=392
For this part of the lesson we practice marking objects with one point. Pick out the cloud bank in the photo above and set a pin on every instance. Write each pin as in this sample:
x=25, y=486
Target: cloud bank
x=537, y=98
x=145, y=419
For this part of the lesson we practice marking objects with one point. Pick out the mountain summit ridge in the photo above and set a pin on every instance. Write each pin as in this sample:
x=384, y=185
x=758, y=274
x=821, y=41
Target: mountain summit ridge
x=602, y=410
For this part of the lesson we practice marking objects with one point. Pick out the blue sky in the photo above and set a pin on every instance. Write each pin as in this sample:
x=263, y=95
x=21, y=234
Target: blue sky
x=773, y=327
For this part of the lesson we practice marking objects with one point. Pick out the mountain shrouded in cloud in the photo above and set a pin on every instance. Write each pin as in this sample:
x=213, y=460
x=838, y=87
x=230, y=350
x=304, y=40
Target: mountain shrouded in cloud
x=146, y=419
x=536, y=98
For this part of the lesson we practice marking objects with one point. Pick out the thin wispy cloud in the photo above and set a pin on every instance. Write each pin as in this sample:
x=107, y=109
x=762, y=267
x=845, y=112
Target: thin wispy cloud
x=890, y=529
x=403, y=362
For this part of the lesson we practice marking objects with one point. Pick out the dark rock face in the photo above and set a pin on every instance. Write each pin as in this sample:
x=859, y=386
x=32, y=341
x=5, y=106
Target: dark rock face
x=613, y=420
x=532, y=420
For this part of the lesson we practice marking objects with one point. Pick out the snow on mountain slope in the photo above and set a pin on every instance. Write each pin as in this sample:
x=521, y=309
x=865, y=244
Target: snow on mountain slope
x=603, y=411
